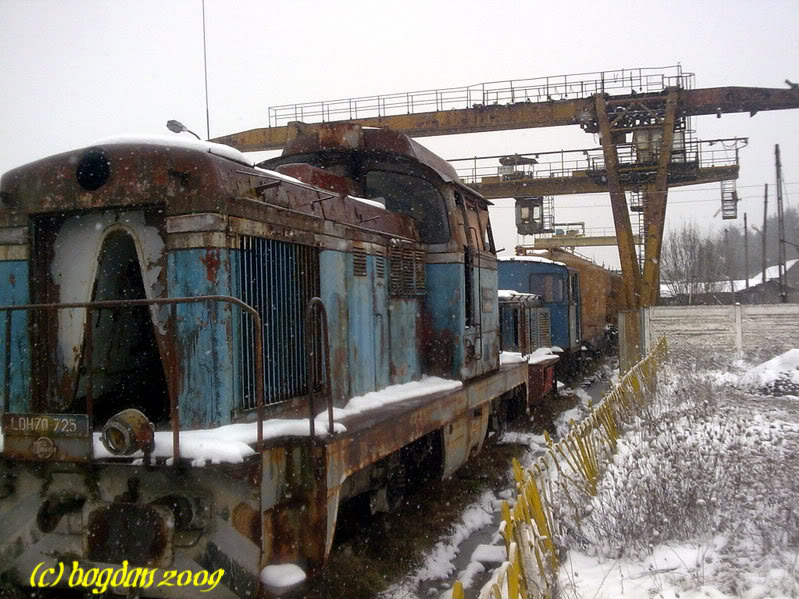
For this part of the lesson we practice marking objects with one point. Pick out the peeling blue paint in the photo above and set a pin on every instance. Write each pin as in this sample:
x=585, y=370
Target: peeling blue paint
x=333, y=289
x=445, y=307
x=14, y=290
x=204, y=353
x=361, y=325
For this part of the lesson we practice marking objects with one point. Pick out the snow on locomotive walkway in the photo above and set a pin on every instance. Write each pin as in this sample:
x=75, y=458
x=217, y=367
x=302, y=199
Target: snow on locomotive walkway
x=700, y=500
x=234, y=442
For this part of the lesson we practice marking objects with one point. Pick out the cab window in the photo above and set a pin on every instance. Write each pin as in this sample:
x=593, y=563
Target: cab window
x=414, y=197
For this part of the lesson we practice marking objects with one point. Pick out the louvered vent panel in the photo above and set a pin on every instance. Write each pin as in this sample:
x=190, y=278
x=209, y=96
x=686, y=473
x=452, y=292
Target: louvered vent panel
x=544, y=335
x=407, y=271
x=395, y=274
x=277, y=279
x=420, y=272
x=359, y=262
x=380, y=267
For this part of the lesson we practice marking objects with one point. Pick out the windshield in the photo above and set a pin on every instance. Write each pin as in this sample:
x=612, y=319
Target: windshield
x=413, y=196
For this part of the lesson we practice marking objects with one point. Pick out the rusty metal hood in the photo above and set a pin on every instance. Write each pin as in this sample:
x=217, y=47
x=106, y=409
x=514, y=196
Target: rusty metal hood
x=307, y=138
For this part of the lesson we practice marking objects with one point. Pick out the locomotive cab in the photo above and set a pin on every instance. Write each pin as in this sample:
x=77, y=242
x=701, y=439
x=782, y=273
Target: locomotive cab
x=456, y=322
x=558, y=286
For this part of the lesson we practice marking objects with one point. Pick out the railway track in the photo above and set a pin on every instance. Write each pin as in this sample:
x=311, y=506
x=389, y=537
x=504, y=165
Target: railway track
x=385, y=555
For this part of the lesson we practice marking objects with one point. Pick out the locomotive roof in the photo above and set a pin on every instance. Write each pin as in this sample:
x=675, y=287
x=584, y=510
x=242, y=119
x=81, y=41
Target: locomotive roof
x=326, y=137
x=144, y=169
x=185, y=175
x=348, y=136
x=537, y=259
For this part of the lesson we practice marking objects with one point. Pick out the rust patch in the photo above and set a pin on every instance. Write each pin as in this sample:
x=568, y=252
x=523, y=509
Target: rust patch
x=142, y=534
x=12, y=279
x=212, y=264
x=246, y=520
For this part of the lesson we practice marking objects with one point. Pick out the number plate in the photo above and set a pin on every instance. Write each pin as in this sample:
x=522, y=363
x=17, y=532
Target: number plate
x=55, y=437
x=46, y=425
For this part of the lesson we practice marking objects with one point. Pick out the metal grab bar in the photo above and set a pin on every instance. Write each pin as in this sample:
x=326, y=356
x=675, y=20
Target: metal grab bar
x=173, y=400
x=315, y=304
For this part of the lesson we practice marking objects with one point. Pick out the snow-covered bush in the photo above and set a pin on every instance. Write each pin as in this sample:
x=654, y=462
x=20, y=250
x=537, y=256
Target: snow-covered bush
x=701, y=463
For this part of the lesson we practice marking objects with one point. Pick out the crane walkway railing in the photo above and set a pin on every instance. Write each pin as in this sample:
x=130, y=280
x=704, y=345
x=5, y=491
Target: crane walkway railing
x=538, y=89
x=564, y=163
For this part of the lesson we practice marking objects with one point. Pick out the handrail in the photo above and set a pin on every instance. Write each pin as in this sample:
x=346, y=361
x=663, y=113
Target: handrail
x=173, y=400
x=704, y=153
x=508, y=91
x=316, y=304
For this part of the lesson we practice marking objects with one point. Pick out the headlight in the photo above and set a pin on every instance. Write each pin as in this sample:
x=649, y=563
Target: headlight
x=128, y=432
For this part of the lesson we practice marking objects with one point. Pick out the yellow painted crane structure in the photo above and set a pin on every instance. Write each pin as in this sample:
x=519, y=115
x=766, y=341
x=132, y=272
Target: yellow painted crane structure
x=533, y=178
x=654, y=102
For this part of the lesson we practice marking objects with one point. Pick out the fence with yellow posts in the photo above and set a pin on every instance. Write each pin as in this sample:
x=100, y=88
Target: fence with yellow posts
x=572, y=463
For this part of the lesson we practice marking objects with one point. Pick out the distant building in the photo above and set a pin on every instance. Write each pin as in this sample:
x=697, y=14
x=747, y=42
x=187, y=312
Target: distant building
x=718, y=292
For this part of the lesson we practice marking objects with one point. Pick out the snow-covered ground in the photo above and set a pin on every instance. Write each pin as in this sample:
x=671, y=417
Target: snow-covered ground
x=473, y=547
x=701, y=497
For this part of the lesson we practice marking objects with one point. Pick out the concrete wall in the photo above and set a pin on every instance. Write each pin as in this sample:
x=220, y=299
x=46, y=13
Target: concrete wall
x=738, y=328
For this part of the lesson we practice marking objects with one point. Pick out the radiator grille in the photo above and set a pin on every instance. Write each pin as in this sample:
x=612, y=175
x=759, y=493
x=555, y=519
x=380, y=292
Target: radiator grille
x=277, y=279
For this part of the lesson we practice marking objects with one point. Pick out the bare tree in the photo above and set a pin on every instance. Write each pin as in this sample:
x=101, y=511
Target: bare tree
x=691, y=262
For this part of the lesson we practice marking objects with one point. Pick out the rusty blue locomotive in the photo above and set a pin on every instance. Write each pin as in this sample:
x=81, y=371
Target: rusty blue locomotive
x=202, y=358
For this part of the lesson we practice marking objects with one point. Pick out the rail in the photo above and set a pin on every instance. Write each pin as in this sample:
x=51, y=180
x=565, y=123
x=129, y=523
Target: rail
x=564, y=163
x=509, y=91
x=173, y=395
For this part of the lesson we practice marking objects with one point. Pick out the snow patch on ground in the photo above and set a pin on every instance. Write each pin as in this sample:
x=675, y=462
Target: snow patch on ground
x=531, y=440
x=577, y=413
x=280, y=576
x=778, y=376
x=438, y=562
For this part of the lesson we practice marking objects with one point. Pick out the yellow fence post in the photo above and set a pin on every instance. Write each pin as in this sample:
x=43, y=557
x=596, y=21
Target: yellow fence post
x=581, y=449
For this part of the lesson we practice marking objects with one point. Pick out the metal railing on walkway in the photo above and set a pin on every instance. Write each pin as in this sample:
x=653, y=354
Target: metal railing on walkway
x=87, y=351
x=538, y=89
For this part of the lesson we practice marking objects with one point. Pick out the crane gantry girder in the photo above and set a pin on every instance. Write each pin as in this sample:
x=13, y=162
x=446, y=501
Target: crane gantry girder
x=594, y=182
x=555, y=113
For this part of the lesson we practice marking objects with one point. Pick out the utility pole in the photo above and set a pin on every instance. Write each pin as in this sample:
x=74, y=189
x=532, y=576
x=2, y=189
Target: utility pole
x=780, y=227
x=765, y=224
x=729, y=264
x=746, y=252
x=205, y=72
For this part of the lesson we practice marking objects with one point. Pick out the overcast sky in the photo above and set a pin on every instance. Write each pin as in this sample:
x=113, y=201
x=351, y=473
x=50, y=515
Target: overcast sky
x=81, y=70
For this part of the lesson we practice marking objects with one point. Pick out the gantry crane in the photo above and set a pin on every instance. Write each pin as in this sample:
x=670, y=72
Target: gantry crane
x=655, y=102
x=534, y=178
